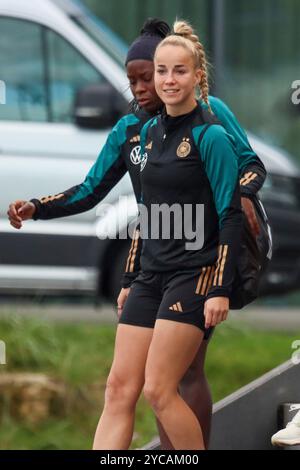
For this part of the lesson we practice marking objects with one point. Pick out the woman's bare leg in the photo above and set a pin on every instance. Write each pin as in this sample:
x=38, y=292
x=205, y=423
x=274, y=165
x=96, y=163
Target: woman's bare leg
x=195, y=391
x=124, y=385
x=172, y=350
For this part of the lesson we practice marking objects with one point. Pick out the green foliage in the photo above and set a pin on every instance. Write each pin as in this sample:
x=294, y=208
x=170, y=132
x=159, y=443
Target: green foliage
x=136, y=12
x=81, y=356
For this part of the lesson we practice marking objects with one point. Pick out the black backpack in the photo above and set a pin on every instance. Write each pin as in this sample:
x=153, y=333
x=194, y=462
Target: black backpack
x=253, y=259
x=255, y=254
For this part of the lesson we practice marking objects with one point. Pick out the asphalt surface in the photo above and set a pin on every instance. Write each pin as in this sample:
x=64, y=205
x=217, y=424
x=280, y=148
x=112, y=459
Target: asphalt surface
x=270, y=318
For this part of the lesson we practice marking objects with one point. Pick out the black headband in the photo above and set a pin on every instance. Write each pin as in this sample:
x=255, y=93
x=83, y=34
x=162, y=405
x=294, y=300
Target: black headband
x=143, y=48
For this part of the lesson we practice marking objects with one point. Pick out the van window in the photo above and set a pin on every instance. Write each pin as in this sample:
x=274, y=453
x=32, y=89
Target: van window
x=22, y=70
x=42, y=73
x=68, y=72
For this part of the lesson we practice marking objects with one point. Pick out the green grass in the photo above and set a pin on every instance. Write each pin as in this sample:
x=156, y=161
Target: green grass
x=81, y=356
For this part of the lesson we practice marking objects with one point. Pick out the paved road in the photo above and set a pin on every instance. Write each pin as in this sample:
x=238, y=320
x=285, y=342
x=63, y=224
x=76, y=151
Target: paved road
x=271, y=318
x=71, y=312
x=268, y=318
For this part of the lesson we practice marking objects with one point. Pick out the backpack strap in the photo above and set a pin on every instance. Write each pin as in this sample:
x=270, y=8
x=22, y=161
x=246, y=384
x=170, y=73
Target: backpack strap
x=209, y=120
x=205, y=128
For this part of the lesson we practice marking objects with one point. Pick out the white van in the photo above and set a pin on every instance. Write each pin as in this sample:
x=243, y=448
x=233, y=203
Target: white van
x=65, y=86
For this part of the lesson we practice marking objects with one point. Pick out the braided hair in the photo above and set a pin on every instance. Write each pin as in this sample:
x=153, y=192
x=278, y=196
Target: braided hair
x=185, y=36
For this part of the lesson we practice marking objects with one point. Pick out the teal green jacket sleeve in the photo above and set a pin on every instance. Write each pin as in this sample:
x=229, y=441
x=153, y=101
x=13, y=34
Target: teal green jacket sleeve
x=103, y=176
x=218, y=155
x=252, y=172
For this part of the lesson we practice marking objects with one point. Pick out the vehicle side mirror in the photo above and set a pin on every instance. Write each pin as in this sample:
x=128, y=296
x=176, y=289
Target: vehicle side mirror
x=99, y=106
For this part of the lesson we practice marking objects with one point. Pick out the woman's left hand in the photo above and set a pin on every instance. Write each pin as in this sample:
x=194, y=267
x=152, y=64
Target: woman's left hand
x=215, y=311
x=124, y=293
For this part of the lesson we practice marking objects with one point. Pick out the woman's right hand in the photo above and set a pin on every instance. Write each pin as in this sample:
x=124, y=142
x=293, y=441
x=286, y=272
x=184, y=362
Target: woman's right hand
x=19, y=211
x=248, y=208
x=124, y=293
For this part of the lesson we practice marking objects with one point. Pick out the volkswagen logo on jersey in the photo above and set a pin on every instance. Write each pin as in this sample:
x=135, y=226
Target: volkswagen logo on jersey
x=144, y=161
x=135, y=155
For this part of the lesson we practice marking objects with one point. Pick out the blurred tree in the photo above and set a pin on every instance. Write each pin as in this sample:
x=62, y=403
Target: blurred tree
x=127, y=17
x=256, y=49
x=261, y=57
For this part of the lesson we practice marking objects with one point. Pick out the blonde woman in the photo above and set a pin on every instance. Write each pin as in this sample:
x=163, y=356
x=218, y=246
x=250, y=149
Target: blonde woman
x=187, y=159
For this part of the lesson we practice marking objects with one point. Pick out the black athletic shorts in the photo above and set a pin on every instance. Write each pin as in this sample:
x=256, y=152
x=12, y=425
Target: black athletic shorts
x=166, y=295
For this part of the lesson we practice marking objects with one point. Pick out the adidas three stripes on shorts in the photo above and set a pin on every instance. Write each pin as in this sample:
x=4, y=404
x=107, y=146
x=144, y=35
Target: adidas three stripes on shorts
x=176, y=296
